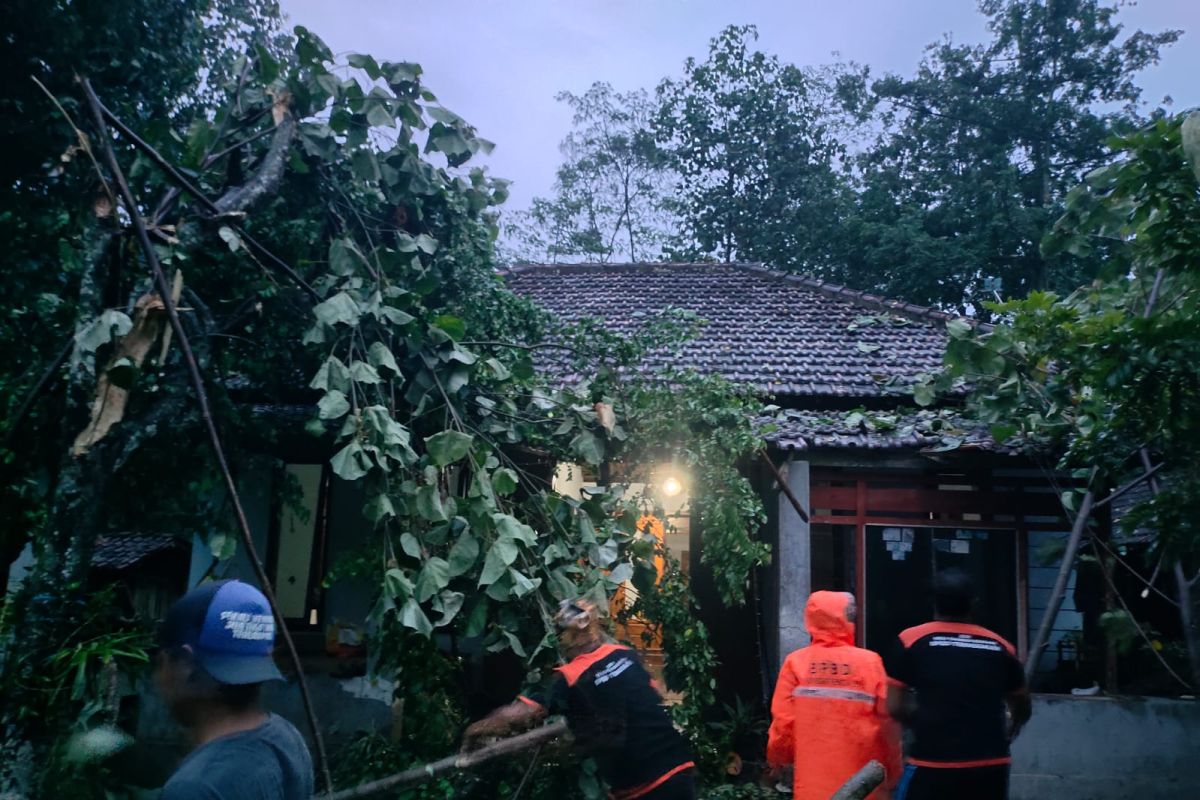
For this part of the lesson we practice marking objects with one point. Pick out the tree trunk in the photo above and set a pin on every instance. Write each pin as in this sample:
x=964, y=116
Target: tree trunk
x=1187, y=615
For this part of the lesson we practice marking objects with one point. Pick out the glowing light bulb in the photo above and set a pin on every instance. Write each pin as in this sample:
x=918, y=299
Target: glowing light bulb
x=671, y=486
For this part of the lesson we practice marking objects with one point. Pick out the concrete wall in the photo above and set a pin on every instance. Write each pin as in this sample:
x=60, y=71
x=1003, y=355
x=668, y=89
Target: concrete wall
x=1101, y=748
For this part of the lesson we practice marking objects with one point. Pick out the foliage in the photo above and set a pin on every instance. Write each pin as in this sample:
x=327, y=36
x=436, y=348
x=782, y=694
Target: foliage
x=608, y=201
x=980, y=147
x=1110, y=368
x=756, y=144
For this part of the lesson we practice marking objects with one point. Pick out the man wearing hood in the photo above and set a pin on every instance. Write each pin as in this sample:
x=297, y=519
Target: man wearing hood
x=829, y=713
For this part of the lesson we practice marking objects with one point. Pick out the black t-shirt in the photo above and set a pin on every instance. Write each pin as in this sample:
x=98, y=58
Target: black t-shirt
x=617, y=717
x=961, y=675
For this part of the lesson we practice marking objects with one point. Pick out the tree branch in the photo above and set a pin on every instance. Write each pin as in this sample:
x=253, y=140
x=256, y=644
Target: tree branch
x=224, y=204
x=197, y=381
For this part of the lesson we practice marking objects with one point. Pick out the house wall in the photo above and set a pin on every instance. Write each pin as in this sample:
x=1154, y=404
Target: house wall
x=1105, y=748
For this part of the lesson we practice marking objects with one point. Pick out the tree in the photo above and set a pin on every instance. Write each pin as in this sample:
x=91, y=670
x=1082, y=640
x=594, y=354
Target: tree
x=1107, y=375
x=608, y=201
x=981, y=146
x=757, y=146
x=342, y=264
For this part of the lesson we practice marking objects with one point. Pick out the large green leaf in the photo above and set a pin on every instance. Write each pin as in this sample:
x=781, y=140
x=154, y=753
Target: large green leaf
x=504, y=481
x=588, y=447
x=380, y=356
x=452, y=603
x=339, y=309
x=493, y=566
x=509, y=527
x=333, y=374
x=412, y=616
x=351, y=462
x=435, y=576
x=429, y=504
x=333, y=405
x=448, y=447
x=379, y=508
x=463, y=554
x=363, y=372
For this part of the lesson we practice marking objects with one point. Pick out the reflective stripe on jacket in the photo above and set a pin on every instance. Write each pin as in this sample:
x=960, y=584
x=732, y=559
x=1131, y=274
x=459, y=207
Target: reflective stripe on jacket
x=829, y=713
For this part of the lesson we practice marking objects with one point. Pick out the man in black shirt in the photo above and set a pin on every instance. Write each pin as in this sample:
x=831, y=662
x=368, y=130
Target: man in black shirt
x=613, y=709
x=951, y=683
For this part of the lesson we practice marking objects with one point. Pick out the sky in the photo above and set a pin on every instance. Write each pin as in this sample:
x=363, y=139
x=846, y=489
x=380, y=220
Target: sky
x=499, y=63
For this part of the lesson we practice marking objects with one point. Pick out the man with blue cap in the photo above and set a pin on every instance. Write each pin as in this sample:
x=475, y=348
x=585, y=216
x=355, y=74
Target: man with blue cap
x=216, y=653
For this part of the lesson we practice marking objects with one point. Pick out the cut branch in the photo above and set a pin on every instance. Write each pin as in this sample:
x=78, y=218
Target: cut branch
x=197, y=381
x=460, y=761
x=861, y=783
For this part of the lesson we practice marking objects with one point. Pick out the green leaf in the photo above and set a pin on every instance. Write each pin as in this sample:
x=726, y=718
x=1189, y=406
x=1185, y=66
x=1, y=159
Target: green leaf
x=379, y=508
x=448, y=447
x=494, y=565
x=222, y=546
x=379, y=114
x=339, y=309
x=344, y=257
x=351, y=462
x=1189, y=133
x=523, y=585
x=426, y=244
x=435, y=576
x=923, y=394
x=588, y=447
x=452, y=603
x=452, y=325
x=333, y=374
x=365, y=165
x=366, y=64
x=498, y=369
x=477, y=622
x=510, y=527
x=429, y=504
x=333, y=405
x=463, y=554
x=411, y=616
x=410, y=545
x=380, y=356
x=363, y=372
x=504, y=481
x=958, y=328
x=397, y=583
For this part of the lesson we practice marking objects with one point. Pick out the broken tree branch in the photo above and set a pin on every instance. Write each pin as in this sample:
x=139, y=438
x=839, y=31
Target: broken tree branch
x=1133, y=484
x=783, y=485
x=459, y=761
x=272, y=167
x=1060, y=585
x=197, y=381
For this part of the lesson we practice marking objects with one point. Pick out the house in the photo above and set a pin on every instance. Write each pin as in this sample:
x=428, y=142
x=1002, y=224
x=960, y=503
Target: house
x=891, y=494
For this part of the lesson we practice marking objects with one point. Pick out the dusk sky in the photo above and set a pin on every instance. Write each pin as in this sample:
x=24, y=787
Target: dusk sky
x=499, y=63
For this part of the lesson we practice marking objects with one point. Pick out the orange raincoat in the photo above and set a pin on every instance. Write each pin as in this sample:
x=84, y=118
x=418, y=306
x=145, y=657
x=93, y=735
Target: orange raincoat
x=829, y=713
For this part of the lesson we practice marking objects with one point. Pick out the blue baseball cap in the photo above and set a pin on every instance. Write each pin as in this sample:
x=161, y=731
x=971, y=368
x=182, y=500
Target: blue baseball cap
x=230, y=629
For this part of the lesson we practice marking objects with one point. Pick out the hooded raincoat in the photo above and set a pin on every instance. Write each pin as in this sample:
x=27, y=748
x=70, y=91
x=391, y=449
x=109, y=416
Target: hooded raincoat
x=829, y=713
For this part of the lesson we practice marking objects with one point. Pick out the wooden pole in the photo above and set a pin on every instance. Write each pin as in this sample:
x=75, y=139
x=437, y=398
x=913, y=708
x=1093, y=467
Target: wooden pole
x=458, y=761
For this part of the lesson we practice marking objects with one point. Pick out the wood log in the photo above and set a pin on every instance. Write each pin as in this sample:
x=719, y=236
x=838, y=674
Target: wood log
x=458, y=761
x=862, y=783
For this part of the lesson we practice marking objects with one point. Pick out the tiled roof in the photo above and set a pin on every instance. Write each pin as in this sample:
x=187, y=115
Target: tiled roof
x=930, y=430
x=787, y=335
x=124, y=550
